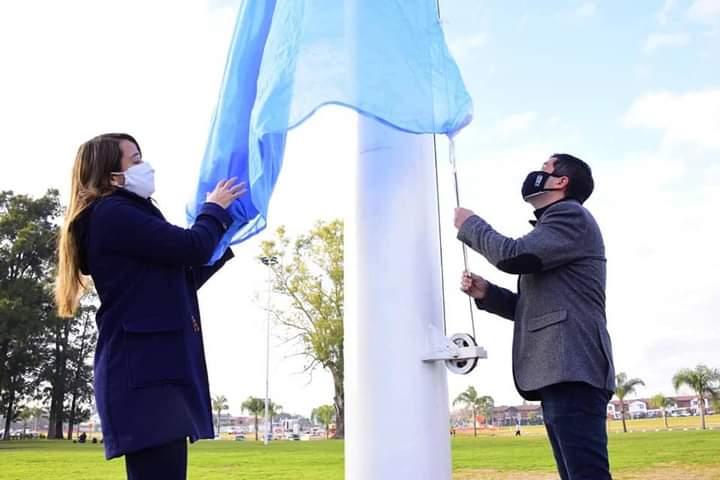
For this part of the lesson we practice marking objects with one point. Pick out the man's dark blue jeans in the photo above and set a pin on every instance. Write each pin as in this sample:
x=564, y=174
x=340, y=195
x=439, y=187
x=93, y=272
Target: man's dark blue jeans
x=575, y=416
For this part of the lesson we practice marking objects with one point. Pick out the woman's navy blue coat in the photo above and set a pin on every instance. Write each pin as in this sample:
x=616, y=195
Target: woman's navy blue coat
x=151, y=384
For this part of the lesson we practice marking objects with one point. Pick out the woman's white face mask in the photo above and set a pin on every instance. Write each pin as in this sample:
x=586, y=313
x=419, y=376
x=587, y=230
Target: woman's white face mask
x=140, y=179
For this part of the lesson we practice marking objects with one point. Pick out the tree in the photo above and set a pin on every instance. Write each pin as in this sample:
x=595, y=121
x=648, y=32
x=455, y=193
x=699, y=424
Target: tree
x=324, y=415
x=24, y=414
x=37, y=349
x=80, y=371
x=37, y=413
x=662, y=402
x=21, y=364
x=55, y=373
x=273, y=410
x=66, y=373
x=623, y=388
x=219, y=403
x=309, y=277
x=27, y=253
x=485, y=407
x=704, y=381
x=256, y=407
x=470, y=399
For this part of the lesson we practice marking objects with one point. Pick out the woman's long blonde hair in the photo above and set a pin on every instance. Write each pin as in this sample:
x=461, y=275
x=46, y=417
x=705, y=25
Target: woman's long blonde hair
x=95, y=161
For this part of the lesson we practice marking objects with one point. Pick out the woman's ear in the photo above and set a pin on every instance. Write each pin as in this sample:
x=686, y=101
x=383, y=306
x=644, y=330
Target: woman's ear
x=117, y=179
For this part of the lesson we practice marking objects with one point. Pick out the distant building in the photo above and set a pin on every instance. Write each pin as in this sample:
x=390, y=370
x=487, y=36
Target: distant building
x=641, y=407
x=527, y=414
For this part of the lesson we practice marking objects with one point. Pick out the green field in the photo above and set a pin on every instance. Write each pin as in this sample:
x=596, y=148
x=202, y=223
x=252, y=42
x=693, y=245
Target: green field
x=652, y=455
x=613, y=426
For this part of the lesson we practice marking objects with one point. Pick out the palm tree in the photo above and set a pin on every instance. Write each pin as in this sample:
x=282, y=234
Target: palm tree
x=662, y=402
x=622, y=389
x=219, y=403
x=485, y=407
x=256, y=407
x=324, y=415
x=704, y=381
x=471, y=400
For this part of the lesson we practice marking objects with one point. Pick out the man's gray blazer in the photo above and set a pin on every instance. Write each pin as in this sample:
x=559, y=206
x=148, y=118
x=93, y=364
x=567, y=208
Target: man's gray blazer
x=559, y=311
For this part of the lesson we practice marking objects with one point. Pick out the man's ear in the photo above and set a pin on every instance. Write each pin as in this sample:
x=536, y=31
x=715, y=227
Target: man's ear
x=564, y=182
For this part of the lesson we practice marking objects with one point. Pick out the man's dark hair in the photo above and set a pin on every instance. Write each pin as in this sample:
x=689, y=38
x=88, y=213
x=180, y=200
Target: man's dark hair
x=578, y=172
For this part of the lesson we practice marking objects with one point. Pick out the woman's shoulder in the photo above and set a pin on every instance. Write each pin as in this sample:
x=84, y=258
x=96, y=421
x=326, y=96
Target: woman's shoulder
x=119, y=214
x=119, y=202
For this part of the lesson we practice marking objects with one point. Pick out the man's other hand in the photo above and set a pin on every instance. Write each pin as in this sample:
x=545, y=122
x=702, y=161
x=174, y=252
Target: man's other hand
x=474, y=285
x=462, y=214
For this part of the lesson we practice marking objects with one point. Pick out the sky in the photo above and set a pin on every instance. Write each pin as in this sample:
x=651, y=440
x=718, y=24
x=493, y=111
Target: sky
x=633, y=88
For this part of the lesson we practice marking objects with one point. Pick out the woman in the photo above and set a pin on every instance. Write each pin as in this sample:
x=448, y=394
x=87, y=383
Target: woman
x=151, y=386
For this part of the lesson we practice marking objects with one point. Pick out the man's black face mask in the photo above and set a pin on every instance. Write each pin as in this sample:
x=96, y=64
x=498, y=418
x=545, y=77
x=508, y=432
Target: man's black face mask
x=534, y=184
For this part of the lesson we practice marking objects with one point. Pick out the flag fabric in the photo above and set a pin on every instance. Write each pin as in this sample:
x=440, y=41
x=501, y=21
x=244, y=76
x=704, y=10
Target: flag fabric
x=386, y=59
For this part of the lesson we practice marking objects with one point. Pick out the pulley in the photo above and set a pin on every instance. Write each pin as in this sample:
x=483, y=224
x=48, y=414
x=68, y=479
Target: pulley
x=460, y=352
x=462, y=366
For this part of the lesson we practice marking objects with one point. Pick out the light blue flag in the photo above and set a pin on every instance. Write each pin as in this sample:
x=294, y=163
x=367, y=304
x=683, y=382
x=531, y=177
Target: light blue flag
x=386, y=59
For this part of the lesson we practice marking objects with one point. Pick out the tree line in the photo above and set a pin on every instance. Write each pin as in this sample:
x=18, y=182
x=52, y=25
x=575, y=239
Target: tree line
x=702, y=380
x=255, y=406
x=44, y=360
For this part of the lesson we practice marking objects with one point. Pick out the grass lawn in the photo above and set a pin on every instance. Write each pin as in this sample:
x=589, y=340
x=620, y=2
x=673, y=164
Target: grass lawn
x=652, y=455
x=613, y=426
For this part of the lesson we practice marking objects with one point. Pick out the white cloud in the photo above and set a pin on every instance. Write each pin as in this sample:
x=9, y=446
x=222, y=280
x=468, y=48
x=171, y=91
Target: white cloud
x=663, y=16
x=219, y=4
x=705, y=10
x=515, y=123
x=465, y=46
x=655, y=41
x=586, y=9
x=691, y=118
x=654, y=208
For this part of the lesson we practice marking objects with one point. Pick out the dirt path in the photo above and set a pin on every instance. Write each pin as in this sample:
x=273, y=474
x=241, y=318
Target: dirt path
x=707, y=472
x=704, y=472
x=495, y=475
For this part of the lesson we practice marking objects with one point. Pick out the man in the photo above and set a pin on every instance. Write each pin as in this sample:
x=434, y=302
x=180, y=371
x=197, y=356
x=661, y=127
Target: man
x=561, y=348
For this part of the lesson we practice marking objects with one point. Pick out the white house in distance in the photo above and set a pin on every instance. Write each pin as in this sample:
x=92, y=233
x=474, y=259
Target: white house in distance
x=640, y=407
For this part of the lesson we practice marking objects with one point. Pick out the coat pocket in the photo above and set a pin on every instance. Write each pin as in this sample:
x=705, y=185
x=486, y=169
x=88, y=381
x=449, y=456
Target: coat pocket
x=538, y=323
x=156, y=357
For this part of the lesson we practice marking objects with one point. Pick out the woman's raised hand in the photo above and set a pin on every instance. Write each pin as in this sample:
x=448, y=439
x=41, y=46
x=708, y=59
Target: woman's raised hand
x=226, y=192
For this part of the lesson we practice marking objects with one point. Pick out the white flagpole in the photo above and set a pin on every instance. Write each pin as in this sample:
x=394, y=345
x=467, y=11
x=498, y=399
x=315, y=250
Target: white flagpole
x=397, y=419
